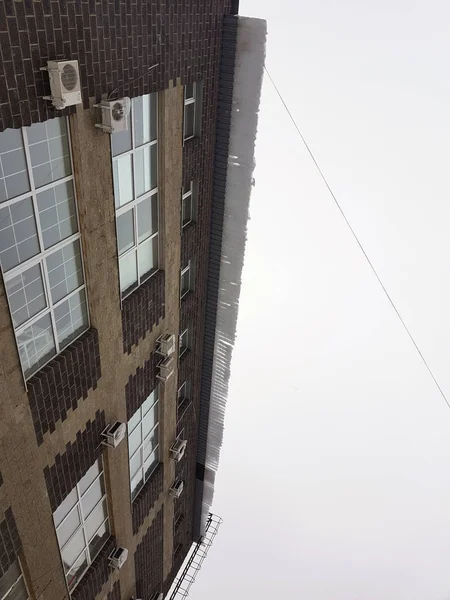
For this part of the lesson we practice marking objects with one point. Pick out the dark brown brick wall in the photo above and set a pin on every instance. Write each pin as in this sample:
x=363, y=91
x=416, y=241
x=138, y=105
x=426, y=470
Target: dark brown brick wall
x=10, y=544
x=96, y=576
x=71, y=466
x=114, y=42
x=141, y=384
x=114, y=594
x=142, y=310
x=145, y=500
x=66, y=380
x=148, y=560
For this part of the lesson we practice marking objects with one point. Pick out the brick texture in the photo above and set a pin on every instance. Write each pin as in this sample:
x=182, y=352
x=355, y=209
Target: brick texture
x=96, y=576
x=142, y=310
x=61, y=385
x=71, y=466
x=148, y=560
x=10, y=544
x=145, y=500
x=141, y=384
x=114, y=594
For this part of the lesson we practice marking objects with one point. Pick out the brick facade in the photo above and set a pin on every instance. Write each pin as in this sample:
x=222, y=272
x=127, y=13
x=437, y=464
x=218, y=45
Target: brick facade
x=148, y=560
x=59, y=386
x=96, y=576
x=145, y=500
x=114, y=594
x=141, y=384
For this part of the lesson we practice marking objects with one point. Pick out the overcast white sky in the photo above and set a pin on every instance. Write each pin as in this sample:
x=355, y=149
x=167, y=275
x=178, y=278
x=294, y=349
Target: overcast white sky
x=334, y=481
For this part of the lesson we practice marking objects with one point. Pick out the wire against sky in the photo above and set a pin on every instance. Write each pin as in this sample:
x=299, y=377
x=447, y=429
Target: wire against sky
x=411, y=337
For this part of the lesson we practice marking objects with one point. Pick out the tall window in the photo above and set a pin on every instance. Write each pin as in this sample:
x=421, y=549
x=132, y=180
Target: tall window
x=188, y=204
x=135, y=174
x=143, y=443
x=40, y=252
x=192, y=93
x=82, y=524
x=12, y=584
x=184, y=341
x=186, y=283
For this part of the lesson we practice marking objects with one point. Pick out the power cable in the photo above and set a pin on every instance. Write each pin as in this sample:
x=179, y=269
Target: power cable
x=361, y=247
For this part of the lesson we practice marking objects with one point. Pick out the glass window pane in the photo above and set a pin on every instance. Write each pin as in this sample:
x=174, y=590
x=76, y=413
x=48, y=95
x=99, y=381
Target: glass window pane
x=71, y=318
x=151, y=463
x=13, y=170
x=144, y=119
x=150, y=420
x=57, y=213
x=92, y=497
x=123, y=180
x=135, y=463
x=121, y=142
x=26, y=295
x=187, y=209
x=148, y=257
x=65, y=271
x=19, y=591
x=73, y=549
x=147, y=217
x=49, y=151
x=189, y=119
x=128, y=271
x=150, y=401
x=76, y=571
x=145, y=169
x=136, y=484
x=134, y=440
x=95, y=519
x=134, y=421
x=68, y=527
x=150, y=443
x=189, y=90
x=89, y=477
x=185, y=281
x=18, y=234
x=125, y=231
x=65, y=507
x=36, y=344
x=10, y=577
x=99, y=539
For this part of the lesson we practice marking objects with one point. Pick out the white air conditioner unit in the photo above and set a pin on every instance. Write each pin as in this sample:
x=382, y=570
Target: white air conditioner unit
x=114, y=115
x=117, y=558
x=166, y=369
x=64, y=83
x=177, y=488
x=178, y=449
x=166, y=344
x=114, y=434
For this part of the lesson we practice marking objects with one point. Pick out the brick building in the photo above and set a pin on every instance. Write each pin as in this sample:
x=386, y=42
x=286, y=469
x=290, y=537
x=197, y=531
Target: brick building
x=108, y=243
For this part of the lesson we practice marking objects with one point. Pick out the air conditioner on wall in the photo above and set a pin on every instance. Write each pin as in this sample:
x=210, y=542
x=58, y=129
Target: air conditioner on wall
x=178, y=449
x=177, y=488
x=166, y=369
x=114, y=434
x=117, y=558
x=166, y=344
x=65, y=85
x=114, y=115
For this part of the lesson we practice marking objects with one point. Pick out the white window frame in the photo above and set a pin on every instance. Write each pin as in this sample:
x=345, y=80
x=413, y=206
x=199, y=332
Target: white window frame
x=186, y=333
x=190, y=194
x=187, y=270
x=78, y=506
x=133, y=204
x=40, y=259
x=7, y=596
x=187, y=102
x=140, y=448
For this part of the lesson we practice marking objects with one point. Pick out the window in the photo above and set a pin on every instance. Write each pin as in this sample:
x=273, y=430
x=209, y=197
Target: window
x=12, y=584
x=82, y=524
x=187, y=204
x=187, y=279
x=184, y=392
x=40, y=250
x=184, y=342
x=192, y=102
x=135, y=175
x=143, y=443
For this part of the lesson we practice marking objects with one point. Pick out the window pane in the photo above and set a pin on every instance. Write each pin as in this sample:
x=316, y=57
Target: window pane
x=92, y=497
x=65, y=507
x=87, y=479
x=185, y=281
x=49, y=151
x=128, y=271
x=134, y=421
x=150, y=464
x=19, y=591
x=150, y=443
x=57, y=213
x=121, y=142
x=187, y=209
x=13, y=170
x=125, y=231
x=150, y=401
x=136, y=485
x=189, y=118
x=144, y=119
x=147, y=217
x=183, y=341
x=18, y=234
x=145, y=167
x=135, y=463
x=150, y=420
x=123, y=180
x=71, y=318
x=75, y=573
x=134, y=440
x=10, y=577
x=189, y=90
x=73, y=550
x=26, y=295
x=95, y=519
x=68, y=527
x=36, y=344
x=65, y=271
x=98, y=541
x=148, y=257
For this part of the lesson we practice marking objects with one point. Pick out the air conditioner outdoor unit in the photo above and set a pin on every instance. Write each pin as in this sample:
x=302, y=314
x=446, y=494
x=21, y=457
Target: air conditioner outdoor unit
x=114, y=434
x=177, y=488
x=166, y=368
x=65, y=85
x=166, y=344
x=117, y=558
x=178, y=449
x=114, y=115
